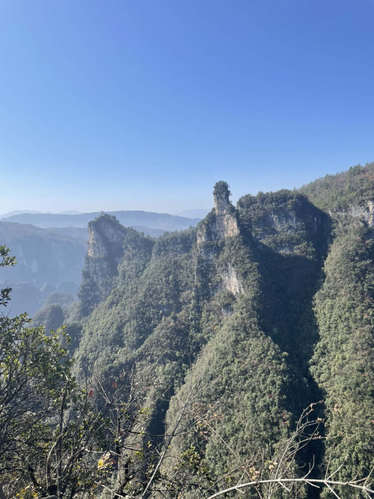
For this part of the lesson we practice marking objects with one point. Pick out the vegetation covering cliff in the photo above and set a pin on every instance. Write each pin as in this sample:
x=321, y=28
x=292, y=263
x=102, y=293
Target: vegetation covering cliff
x=202, y=349
x=350, y=191
x=224, y=331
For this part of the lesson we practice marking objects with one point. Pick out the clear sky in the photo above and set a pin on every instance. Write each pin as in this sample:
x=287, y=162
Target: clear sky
x=145, y=104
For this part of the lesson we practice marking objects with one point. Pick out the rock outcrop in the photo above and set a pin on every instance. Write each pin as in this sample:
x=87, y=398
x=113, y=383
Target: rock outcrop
x=364, y=212
x=222, y=222
x=371, y=213
x=105, y=251
x=105, y=239
x=218, y=228
x=226, y=221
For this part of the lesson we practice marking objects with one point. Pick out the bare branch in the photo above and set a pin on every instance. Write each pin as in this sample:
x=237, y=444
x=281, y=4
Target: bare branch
x=323, y=481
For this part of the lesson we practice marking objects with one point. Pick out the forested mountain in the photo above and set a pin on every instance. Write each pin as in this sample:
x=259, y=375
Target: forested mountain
x=220, y=316
x=350, y=191
x=232, y=317
x=241, y=350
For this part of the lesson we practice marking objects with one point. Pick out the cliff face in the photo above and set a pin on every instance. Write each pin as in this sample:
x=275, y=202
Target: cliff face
x=222, y=222
x=219, y=227
x=226, y=222
x=371, y=213
x=105, y=251
x=363, y=212
x=105, y=239
x=285, y=221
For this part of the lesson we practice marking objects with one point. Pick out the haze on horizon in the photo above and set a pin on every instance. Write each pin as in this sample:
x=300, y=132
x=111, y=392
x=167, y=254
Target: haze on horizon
x=144, y=106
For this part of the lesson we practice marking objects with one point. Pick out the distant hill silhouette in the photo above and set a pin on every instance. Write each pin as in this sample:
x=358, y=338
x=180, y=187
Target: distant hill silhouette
x=148, y=220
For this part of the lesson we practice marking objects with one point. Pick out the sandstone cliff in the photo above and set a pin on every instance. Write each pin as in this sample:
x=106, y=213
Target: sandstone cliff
x=105, y=251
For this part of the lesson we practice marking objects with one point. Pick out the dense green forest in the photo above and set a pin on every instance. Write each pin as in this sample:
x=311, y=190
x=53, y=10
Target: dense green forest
x=346, y=191
x=235, y=356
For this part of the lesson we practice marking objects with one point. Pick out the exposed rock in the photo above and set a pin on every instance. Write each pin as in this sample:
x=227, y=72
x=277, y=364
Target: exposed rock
x=363, y=211
x=226, y=222
x=371, y=213
x=105, y=238
x=220, y=225
x=231, y=282
x=222, y=222
x=105, y=251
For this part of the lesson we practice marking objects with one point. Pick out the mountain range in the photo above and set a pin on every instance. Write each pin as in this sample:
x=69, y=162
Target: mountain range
x=144, y=219
x=237, y=351
x=232, y=331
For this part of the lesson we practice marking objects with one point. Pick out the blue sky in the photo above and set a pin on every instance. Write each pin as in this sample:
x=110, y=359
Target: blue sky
x=119, y=104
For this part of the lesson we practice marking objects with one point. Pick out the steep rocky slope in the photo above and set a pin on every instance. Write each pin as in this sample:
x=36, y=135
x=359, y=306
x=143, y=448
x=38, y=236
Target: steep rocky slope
x=226, y=332
x=216, y=328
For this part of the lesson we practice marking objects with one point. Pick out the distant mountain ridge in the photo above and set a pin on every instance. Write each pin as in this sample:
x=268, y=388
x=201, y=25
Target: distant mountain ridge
x=18, y=212
x=132, y=218
x=48, y=261
x=197, y=213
